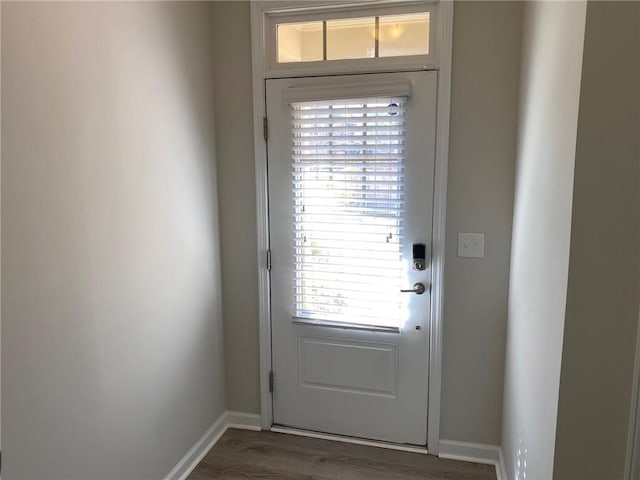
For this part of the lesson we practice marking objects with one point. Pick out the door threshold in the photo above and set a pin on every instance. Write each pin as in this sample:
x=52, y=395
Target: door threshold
x=354, y=440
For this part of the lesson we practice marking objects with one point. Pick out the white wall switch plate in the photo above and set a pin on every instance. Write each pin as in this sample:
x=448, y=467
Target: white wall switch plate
x=471, y=245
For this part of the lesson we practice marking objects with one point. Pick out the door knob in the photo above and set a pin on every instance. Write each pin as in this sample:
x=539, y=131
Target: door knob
x=418, y=288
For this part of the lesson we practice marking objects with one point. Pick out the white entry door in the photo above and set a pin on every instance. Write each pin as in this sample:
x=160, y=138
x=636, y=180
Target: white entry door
x=351, y=169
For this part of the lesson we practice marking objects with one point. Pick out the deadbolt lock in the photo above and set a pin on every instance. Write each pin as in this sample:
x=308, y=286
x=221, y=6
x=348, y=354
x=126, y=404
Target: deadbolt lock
x=419, y=256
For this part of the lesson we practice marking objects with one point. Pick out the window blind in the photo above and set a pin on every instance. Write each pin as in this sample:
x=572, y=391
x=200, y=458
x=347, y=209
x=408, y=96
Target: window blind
x=348, y=203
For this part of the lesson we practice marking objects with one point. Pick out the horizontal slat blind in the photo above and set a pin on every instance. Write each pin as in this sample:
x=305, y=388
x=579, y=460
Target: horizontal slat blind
x=348, y=191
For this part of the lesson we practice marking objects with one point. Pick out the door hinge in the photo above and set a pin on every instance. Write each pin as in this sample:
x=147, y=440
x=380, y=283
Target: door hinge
x=265, y=128
x=271, y=381
x=268, y=260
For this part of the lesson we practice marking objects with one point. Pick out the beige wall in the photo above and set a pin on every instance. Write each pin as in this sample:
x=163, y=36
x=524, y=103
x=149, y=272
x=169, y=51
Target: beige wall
x=602, y=299
x=486, y=66
x=549, y=96
x=236, y=183
x=111, y=335
x=482, y=159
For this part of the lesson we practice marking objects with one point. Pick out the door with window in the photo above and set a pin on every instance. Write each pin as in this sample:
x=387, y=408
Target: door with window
x=351, y=168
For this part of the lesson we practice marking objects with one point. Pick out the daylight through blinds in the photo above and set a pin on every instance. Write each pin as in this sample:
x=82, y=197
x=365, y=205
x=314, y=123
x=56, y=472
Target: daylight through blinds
x=348, y=193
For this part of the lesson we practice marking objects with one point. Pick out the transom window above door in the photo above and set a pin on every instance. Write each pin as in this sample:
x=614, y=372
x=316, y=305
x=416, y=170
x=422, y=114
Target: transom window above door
x=354, y=38
x=387, y=36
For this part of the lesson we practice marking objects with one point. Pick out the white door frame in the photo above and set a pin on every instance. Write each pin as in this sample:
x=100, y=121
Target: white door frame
x=444, y=25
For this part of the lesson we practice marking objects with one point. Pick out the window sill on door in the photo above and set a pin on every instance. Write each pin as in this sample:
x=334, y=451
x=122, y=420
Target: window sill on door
x=344, y=325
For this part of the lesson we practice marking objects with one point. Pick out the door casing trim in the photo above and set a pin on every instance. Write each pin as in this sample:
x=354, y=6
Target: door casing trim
x=259, y=73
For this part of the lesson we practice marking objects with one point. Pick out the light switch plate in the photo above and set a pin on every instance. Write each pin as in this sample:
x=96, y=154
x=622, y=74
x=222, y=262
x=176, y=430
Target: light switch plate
x=471, y=245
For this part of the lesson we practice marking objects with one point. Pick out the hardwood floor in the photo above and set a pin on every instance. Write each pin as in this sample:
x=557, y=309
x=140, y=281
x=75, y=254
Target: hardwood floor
x=242, y=454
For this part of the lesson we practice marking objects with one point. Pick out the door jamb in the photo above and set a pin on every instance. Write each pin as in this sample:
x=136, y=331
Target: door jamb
x=445, y=46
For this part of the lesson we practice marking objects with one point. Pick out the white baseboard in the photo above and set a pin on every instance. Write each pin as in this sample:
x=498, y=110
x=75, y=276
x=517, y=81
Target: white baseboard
x=245, y=421
x=474, y=452
x=501, y=469
x=186, y=465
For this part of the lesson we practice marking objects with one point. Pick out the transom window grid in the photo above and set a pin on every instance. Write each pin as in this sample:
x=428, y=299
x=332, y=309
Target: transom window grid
x=367, y=37
x=348, y=203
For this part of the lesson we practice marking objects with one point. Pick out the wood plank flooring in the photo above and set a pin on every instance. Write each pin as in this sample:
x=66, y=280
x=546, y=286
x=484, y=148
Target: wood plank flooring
x=242, y=454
